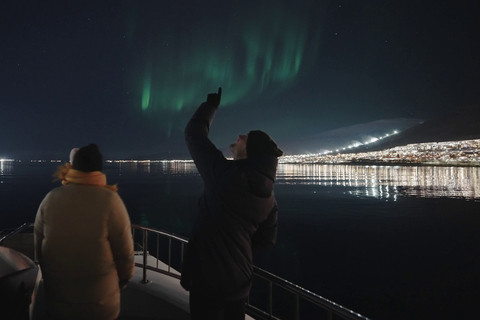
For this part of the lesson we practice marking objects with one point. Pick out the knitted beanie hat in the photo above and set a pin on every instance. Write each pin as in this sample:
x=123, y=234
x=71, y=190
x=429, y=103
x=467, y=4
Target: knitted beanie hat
x=259, y=142
x=88, y=159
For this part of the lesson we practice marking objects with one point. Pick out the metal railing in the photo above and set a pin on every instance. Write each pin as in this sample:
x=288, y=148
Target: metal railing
x=16, y=231
x=159, y=235
x=329, y=309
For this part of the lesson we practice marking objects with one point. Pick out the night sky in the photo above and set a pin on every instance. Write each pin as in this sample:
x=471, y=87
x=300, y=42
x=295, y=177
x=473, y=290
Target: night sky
x=127, y=75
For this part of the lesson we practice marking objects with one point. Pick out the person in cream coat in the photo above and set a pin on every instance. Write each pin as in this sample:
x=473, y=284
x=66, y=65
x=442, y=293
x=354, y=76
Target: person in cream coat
x=83, y=242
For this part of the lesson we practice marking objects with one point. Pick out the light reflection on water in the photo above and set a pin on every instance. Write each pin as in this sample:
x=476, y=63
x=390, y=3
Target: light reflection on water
x=155, y=168
x=6, y=169
x=388, y=181
x=383, y=182
x=2, y=168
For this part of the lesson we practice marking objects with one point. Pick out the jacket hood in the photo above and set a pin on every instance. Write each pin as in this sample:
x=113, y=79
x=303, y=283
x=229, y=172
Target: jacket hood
x=260, y=171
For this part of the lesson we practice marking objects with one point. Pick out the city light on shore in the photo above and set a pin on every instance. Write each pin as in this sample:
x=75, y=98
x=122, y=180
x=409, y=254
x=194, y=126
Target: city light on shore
x=455, y=153
x=466, y=152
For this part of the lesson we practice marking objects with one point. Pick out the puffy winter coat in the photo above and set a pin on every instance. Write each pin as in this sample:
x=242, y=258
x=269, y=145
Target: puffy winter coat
x=237, y=213
x=84, y=245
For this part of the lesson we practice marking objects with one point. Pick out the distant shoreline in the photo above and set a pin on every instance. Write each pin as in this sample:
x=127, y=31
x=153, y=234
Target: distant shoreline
x=318, y=162
x=392, y=164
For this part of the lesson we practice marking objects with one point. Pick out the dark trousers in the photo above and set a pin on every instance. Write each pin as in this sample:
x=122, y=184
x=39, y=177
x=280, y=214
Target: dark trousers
x=202, y=306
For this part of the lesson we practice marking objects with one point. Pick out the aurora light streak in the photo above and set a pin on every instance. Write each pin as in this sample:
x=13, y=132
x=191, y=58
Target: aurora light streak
x=256, y=50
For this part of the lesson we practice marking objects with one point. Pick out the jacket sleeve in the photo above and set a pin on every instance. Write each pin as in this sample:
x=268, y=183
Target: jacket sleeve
x=266, y=234
x=121, y=241
x=206, y=156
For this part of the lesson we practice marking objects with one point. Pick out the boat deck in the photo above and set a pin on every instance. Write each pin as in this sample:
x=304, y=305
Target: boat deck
x=162, y=298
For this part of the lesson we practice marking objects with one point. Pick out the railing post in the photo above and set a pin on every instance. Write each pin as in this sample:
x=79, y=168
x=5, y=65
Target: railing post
x=145, y=252
x=329, y=315
x=158, y=250
x=181, y=253
x=297, y=307
x=270, y=298
x=169, y=253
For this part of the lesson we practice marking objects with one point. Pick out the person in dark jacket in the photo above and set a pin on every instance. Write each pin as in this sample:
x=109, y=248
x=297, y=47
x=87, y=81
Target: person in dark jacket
x=237, y=214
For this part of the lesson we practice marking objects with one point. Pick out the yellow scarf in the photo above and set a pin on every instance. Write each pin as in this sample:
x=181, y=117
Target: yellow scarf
x=67, y=175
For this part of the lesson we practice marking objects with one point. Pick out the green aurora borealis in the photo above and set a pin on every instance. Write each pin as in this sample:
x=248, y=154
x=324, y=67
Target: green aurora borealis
x=249, y=51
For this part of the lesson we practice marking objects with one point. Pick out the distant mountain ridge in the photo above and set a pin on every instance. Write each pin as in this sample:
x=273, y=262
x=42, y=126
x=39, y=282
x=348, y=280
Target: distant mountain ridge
x=460, y=124
x=343, y=137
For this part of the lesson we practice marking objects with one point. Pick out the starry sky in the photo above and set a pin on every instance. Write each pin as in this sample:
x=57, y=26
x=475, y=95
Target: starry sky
x=128, y=75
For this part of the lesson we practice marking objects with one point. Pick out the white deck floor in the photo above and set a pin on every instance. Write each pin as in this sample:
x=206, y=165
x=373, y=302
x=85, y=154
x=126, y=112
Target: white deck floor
x=162, y=298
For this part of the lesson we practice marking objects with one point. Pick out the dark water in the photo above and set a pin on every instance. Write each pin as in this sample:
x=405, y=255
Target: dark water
x=387, y=242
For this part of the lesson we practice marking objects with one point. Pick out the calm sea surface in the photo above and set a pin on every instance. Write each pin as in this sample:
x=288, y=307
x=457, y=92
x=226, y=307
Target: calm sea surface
x=388, y=242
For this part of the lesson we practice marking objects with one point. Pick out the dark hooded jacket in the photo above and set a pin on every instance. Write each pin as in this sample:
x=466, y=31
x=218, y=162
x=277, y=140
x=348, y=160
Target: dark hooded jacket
x=237, y=214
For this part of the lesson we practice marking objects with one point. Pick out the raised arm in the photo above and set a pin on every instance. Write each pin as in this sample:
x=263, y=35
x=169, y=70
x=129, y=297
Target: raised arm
x=202, y=150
